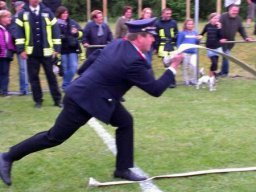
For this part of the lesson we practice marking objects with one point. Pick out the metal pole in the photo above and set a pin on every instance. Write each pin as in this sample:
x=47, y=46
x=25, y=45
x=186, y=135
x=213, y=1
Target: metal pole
x=196, y=14
x=197, y=29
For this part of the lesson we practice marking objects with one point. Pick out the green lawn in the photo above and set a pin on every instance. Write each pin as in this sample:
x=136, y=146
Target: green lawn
x=184, y=130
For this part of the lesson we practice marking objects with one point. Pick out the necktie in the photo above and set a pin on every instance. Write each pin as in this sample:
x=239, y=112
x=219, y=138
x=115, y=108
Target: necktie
x=100, y=31
x=35, y=11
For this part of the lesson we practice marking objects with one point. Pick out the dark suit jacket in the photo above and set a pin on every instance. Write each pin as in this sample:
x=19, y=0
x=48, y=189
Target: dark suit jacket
x=90, y=36
x=119, y=67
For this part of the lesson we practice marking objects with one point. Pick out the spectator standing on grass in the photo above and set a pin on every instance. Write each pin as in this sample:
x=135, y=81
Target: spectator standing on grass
x=6, y=51
x=251, y=10
x=189, y=36
x=251, y=14
x=167, y=31
x=38, y=41
x=97, y=93
x=96, y=32
x=231, y=23
x=146, y=14
x=213, y=32
x=70, y=45
x=23, y=74
x=121, y=29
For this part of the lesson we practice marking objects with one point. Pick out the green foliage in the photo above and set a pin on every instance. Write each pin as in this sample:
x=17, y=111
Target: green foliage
x=178, y=9
x=78, y=8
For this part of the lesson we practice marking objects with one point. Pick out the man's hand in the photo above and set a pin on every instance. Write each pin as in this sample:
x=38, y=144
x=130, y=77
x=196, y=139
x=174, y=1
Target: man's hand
x=24, y=55
x=55, y=54
x=219, y=25
x=85, y=45
x=176, y=60
x=74, y=30
x=223, y=40
x=249, y=39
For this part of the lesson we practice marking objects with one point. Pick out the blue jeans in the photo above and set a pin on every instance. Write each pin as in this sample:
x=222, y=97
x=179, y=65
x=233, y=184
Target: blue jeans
x=4, y=75
x=69, y=63
x=23, y=74
x=225, y=64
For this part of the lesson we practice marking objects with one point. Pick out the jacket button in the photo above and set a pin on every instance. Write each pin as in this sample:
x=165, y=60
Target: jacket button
x=110, y=100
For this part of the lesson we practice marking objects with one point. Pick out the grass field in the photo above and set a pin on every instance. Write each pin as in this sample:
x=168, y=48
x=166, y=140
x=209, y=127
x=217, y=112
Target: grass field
x=184, y=130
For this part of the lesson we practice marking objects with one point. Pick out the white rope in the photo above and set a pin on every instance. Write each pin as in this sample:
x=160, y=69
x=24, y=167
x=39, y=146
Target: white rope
x=94, y=183
x=242, y=64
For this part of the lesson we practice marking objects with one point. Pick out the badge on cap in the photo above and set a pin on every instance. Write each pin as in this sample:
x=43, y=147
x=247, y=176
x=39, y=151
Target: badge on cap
x=143, y=25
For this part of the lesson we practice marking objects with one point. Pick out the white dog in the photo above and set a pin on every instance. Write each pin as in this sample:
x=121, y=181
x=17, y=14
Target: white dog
x=206, y=80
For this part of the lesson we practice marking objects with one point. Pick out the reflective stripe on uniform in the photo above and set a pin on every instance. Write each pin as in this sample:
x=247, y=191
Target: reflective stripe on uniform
x=162, y=52
x=26, y=28
x=29, y=49
x=161, y=33
x=80, y=34
x=19, y=22
x=20, y=41
x=54, y=21
x=56, y=41
x=47, y=51
x=172, y=32
x=49, y=31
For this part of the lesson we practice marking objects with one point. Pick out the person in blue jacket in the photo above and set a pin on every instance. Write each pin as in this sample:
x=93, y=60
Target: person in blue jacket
x=71, y=32
x=189, y=36
x=96, y=32
x=97, y=93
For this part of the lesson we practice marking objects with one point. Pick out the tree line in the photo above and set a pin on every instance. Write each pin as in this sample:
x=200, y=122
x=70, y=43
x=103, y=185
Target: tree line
x=77, y=7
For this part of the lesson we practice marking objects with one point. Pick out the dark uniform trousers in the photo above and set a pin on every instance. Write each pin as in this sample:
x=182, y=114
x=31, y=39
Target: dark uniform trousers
x=68, y=122
x=33, y=73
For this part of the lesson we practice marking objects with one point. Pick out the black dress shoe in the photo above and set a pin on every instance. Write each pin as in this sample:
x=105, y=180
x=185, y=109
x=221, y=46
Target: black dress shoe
x=128, y=175
x=171, y=86
x=5, y=170
x=58, y=104
x=38, y=105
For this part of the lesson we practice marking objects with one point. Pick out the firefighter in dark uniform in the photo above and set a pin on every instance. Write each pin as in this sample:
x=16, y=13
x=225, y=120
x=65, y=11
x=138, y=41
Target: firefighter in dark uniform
x=97, y=93
x=38, y=41
x=167, y=31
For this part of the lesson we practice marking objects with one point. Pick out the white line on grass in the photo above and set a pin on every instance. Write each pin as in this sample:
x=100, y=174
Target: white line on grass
x=146, y=186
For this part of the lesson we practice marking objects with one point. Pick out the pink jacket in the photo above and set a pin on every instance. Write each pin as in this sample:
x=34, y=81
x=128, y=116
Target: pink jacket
x=7, y=46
